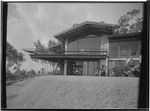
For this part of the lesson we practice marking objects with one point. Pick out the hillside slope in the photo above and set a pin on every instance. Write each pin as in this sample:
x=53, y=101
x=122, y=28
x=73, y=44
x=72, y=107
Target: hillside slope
x=78, y=92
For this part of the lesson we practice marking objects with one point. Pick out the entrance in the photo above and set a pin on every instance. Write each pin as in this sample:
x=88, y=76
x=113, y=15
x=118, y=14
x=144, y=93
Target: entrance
x=77, y=68
x=85, y=68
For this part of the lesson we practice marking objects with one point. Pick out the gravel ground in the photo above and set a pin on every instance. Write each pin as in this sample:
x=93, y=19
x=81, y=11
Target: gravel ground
x=77, y=92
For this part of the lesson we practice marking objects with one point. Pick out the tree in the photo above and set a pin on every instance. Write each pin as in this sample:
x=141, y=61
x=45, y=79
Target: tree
x=13, y=58
x=129, y=23
x=51, y=44
x=40, y=48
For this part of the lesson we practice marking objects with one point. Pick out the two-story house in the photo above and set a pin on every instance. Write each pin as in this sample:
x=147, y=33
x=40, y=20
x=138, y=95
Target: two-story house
x=88, y=46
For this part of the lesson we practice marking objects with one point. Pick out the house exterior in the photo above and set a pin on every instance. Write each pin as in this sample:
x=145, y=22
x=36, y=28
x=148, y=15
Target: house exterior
x=87, y=47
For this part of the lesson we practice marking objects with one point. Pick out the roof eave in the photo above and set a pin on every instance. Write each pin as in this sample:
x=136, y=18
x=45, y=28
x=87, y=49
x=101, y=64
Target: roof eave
x=60, y=36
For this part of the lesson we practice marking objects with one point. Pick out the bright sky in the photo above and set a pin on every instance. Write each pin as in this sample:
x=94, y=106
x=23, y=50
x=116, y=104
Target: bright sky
x=28, y=22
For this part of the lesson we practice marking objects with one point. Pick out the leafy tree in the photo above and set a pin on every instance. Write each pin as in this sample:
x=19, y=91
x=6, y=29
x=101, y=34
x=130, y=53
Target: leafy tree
x=129, y=23
x=51, y=44
x=13, y=58
x=40, y=48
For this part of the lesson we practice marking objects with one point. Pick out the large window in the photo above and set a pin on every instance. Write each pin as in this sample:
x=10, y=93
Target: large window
x=124, y=48
x=114, y=49
x=135, y=48
x=86, y=44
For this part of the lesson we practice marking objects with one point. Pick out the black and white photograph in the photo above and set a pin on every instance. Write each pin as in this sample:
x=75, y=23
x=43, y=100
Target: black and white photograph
x=73, y=55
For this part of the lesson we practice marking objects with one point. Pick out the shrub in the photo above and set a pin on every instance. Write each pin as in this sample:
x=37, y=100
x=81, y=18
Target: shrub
x=55, y=72
x=126, y=69
x=31, y=73
x=10, y=76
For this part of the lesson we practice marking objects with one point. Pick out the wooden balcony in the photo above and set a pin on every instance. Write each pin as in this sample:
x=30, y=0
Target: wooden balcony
x=70, y=55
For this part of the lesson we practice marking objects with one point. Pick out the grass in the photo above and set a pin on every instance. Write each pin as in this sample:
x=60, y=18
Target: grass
x=76, y=92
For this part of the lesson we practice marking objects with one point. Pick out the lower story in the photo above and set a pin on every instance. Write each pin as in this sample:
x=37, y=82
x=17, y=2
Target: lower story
x=97, y=67
x=86, y=65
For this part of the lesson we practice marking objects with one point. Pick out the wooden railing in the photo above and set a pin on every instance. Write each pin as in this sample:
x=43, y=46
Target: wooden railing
x=86, y=52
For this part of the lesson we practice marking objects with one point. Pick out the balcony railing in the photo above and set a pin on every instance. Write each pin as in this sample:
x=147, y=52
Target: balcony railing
x=86, y=52
x=71, y=53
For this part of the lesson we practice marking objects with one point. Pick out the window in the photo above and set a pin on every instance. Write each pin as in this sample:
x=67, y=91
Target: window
x=114, y=49
x=124, y=49
x=135, y=48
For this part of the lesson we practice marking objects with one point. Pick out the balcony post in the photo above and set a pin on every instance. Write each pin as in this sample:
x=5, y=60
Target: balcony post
x=65, y=67
x=66, y=45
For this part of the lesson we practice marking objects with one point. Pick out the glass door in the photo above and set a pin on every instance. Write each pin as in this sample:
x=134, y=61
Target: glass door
x=77, y=68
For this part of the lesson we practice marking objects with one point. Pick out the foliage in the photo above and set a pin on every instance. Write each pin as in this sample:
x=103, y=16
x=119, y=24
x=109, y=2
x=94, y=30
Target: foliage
x=31, y=73
x=19, y=75
x=13, y=56
x=40, y=48
x=55, y=72
x=129, y=23
x=126, y=69
x=51, y=44
x=10, y=76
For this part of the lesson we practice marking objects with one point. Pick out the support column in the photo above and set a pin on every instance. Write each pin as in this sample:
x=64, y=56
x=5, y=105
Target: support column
x=65, y=67
x=66, y=45
x=106, y=67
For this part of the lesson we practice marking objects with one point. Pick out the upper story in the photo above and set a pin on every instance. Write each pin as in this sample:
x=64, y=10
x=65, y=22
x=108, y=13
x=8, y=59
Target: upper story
x=93, y=38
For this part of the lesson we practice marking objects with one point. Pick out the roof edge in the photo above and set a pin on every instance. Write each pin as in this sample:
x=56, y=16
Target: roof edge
x=81, y=24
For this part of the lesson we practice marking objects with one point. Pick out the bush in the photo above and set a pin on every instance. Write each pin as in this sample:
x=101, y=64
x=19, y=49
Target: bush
x=31, y=73
x=126, y=69
x=55, y=72
x=10, y=76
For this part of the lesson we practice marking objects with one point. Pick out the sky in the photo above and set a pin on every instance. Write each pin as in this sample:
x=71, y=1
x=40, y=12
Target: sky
x=29, y=22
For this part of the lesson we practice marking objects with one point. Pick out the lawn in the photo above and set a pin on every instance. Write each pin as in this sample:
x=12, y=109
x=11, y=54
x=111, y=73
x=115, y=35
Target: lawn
x=14, y=89
x=74, y=92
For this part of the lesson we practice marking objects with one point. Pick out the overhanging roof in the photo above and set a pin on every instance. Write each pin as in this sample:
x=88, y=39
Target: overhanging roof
x=85, y=29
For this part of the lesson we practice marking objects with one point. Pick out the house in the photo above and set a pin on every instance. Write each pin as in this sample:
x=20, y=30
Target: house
x=88, y=46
